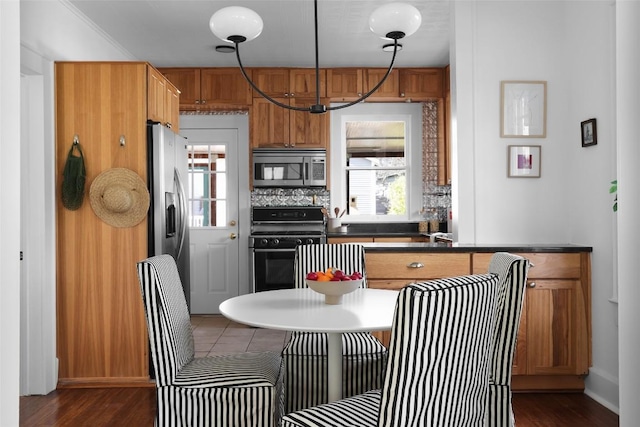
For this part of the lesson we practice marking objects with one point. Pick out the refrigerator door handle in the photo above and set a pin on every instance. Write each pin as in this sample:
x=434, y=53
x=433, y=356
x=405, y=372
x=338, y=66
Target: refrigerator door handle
x=183, y=210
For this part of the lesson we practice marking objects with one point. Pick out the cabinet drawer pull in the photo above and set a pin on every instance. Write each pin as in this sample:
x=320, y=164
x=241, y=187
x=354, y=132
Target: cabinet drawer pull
x=531, y=284
x=415, y=265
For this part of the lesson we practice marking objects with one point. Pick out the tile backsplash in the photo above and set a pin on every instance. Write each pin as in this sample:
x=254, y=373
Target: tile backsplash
x=289, y=197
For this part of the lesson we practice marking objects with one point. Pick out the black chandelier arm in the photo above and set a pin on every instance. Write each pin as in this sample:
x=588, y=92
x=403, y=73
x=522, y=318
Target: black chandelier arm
x=380, y=83
x=315, y=17
x=264, y=95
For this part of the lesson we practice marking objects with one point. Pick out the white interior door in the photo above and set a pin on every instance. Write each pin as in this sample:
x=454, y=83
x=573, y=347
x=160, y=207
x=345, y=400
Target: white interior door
x=214, y=220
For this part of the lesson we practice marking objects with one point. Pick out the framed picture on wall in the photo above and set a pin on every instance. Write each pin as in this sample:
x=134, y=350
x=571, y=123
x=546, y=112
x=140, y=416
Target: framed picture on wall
x=524, y=161
x=523, y=109
x=589, y=132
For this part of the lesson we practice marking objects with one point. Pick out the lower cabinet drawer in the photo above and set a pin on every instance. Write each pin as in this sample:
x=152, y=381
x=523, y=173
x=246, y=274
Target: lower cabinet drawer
x=546, y=265
x=412, y=266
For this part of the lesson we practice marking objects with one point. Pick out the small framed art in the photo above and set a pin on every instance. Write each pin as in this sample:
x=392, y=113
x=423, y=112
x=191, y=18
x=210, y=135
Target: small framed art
x=589, y=132
x=524, y=161
x=523, y=109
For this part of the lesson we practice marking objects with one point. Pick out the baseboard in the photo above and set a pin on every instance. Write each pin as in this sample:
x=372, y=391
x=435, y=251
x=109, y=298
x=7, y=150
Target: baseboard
x=603, y=388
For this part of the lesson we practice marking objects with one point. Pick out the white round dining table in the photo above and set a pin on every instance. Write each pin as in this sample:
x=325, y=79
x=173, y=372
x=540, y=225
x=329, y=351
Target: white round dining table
x=305, y=310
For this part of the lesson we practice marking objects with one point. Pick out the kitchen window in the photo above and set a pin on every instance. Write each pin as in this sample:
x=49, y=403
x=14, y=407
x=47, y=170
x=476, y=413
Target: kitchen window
x=376, y=170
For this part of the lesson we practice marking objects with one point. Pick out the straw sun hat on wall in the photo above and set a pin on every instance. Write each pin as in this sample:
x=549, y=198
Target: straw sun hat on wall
x=119, y=197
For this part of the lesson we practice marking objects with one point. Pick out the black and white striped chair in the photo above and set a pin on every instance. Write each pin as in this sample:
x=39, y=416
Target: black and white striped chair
x=241, y=390
x=512, y=270
x=305, y=355
x=438, y=367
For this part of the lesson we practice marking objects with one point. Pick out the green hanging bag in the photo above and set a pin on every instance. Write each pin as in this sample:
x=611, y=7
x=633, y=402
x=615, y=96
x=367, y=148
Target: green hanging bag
x=73, y=179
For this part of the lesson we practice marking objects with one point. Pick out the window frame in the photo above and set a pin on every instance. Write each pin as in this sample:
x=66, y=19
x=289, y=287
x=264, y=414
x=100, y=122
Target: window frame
x=411, y=114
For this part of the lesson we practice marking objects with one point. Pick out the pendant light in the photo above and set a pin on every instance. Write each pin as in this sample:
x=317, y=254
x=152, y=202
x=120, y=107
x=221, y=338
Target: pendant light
x=237, y=24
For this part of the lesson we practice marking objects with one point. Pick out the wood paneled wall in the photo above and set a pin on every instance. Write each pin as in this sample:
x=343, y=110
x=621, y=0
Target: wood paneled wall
x=101, y=336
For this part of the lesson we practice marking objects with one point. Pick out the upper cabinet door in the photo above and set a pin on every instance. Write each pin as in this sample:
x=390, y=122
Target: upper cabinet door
x=344, y=83
x=308, y=130
x=269, y=124
x=421, y=83
x=302, y=83
x=272, y=81
x=224, y=86
x=172, y=107
x=187, y=80
x=157, y=88
x=389, y=89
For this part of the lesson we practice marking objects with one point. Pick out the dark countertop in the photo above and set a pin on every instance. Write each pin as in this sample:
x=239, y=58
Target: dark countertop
x=470, y=247
x=369, y=234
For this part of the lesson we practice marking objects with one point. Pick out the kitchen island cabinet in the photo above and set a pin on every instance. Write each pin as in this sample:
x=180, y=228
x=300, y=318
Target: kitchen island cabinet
x=554, y=340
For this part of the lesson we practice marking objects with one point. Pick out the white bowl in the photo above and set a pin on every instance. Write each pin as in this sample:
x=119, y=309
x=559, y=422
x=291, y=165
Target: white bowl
x=333, y=291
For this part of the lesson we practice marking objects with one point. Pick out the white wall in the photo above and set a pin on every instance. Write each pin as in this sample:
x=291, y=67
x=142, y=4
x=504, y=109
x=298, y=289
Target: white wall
x=49, y=31
x=628, y=108
x=9, y=212
x=571, y=46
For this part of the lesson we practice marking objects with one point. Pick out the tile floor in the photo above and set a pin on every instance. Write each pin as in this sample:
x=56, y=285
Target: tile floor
x=215, y=334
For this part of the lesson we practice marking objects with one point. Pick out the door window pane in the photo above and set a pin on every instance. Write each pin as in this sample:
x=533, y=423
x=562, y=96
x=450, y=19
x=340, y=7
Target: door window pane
x=207, y=185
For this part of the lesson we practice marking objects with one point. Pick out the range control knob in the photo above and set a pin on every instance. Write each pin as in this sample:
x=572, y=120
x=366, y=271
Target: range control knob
x=274, y=242
x=263, y=242
x=298, y=241
x=309, y=241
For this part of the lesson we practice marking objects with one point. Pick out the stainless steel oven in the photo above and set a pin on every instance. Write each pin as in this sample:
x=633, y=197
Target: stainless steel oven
x=275, y=233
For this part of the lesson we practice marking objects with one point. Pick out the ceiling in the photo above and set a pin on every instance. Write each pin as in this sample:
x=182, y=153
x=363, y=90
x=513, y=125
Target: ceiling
x=173, y=33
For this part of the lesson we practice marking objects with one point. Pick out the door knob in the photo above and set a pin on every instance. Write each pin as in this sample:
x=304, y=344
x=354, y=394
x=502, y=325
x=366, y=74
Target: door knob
x=233, y=236
x=232, y=223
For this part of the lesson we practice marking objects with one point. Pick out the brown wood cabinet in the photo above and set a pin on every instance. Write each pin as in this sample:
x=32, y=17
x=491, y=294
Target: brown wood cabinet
x=421, y=84
x=288, y=82
x=101, y=330
x=276, y=127
x=210, y=88
x=394, y=270
x=349, y=84
x=162, y=100
x=344, y=83
x=553, y=350
x=403, y=84
x=554, y=345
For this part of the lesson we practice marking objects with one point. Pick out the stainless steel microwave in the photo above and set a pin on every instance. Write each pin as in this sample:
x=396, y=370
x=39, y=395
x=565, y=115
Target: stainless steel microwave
x=289, y=168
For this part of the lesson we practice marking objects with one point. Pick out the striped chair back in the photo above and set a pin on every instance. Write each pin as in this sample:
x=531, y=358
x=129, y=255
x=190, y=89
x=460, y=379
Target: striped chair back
x=439, y=353
x=167, y=314
x=512, y=271
x=347, y=257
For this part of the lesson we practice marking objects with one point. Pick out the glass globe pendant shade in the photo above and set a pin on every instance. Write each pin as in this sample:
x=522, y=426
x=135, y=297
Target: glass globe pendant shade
x=236, y=24
x=395, y=20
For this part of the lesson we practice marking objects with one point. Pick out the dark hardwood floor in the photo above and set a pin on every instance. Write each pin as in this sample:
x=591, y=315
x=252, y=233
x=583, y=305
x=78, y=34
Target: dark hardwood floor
x=133, y=407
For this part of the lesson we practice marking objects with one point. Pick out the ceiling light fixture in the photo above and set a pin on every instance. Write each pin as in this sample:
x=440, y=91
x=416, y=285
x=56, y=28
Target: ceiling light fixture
x=390, y=47
x=225, y=48
x=392, y=21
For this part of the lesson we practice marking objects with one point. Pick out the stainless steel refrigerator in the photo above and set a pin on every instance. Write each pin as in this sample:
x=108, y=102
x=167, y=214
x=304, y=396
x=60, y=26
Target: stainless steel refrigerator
x=168, y=216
